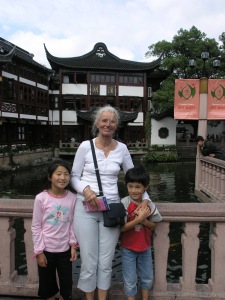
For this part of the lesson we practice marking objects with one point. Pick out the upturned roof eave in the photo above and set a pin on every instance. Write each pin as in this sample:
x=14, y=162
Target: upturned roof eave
x=135, y=68
x=92, y=64
x=6, y=58
x=161, y=115
x=17, y=53
x=125, y=116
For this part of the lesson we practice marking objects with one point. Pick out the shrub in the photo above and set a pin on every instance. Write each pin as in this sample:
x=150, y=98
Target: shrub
x=163, y=147
x=161, y=157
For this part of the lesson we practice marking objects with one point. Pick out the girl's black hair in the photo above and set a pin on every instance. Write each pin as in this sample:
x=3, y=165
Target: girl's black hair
x=137, y=174
x=53, y=166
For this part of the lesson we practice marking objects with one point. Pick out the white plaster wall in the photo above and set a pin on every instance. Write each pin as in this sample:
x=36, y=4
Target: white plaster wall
x=9, y=115
x=69, y=117
x=137, y=91
x=54, y=117
x=103, y=90
x=9, y=75
x=28, y=117
x=81, y=89
x=54, y=92
x=168, y=123
x=76, y=89
x=41, y=86
x=42, y=118
x=29, y=82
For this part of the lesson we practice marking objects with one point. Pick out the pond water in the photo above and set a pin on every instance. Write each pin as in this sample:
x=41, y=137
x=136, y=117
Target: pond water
x=168, y=183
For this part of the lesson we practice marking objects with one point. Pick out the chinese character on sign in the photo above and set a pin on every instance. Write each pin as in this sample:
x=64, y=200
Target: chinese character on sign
x=95, y=89
x=111, y=90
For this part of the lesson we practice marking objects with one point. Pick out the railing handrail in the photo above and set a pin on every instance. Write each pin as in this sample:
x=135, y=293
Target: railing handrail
x=189, y=214
x=210, y=179
x=172, y=212
x=24, y=207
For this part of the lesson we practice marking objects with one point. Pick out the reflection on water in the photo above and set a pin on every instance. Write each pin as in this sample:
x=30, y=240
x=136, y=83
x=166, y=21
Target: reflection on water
x=168, y=183
x=23, y=182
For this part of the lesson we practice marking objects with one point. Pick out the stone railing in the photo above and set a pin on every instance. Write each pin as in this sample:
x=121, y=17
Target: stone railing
x=210, y=179
x=69, y=145
x=190, y=215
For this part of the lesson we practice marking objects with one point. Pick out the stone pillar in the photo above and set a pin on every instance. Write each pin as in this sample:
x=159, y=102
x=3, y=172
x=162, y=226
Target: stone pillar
x=202, y=124
x=32, y=272
x=7, y=250
x=217, y=240
x=190, y=246
x=161, y=249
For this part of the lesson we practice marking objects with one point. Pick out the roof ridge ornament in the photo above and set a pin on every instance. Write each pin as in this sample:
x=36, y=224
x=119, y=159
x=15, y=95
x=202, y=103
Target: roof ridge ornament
x=100, y=52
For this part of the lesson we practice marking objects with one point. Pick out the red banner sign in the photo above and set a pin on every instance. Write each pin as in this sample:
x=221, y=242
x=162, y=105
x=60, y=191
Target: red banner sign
x=186, y=102
x=216, y=99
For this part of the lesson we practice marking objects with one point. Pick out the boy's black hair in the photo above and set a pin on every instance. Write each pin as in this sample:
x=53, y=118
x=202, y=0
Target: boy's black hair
x=53, y=166
x=137, y=174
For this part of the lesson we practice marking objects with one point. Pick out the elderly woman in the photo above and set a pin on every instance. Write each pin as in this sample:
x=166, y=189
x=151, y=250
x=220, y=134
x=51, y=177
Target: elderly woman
x=97, y=243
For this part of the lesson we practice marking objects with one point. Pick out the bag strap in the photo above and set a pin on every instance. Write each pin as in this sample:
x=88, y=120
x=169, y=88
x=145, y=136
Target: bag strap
x=96, y=168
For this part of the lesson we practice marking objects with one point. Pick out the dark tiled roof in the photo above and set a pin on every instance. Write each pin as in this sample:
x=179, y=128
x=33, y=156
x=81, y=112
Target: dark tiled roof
x=5, y=58
x=9, y=51
x=161, y=115
x=125, y=116
x=100, y=59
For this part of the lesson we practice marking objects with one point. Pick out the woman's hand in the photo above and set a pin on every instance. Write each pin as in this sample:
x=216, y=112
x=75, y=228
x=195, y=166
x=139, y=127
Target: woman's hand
x=91, y=197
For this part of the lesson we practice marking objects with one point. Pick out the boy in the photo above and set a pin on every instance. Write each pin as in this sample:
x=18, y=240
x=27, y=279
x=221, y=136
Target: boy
x=136, y=235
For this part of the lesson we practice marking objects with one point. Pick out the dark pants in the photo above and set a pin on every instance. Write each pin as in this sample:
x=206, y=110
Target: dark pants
x=48, y=285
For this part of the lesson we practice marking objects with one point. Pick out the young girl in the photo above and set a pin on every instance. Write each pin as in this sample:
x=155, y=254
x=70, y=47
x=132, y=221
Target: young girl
x=52, y=231
x=136, y=235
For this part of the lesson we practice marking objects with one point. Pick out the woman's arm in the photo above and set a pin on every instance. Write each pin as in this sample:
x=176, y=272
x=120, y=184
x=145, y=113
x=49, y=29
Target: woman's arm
x=145, y=201
x=127, y=162
x=142, y=214
x=78, y=167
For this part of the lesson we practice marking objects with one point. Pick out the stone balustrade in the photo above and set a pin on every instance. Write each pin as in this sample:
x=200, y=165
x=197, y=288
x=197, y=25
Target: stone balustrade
x=210, y=179
x=190, y=215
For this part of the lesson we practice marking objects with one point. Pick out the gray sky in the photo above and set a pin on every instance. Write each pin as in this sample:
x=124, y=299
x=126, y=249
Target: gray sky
x=127, y=27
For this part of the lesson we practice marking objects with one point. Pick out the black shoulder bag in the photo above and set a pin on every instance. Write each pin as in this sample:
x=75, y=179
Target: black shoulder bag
x=114, y=217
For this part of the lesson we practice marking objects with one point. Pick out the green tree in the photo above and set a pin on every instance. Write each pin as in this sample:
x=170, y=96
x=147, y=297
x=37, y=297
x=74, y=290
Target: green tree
x=186, y=44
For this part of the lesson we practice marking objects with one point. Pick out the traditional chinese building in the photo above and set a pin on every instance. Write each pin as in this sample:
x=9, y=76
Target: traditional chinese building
x=82, y=83
x=24, y=98
x=41, y=106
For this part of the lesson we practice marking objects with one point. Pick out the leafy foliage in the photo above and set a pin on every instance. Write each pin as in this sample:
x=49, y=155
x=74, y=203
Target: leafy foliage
x=186, y=44
x=161, y=157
